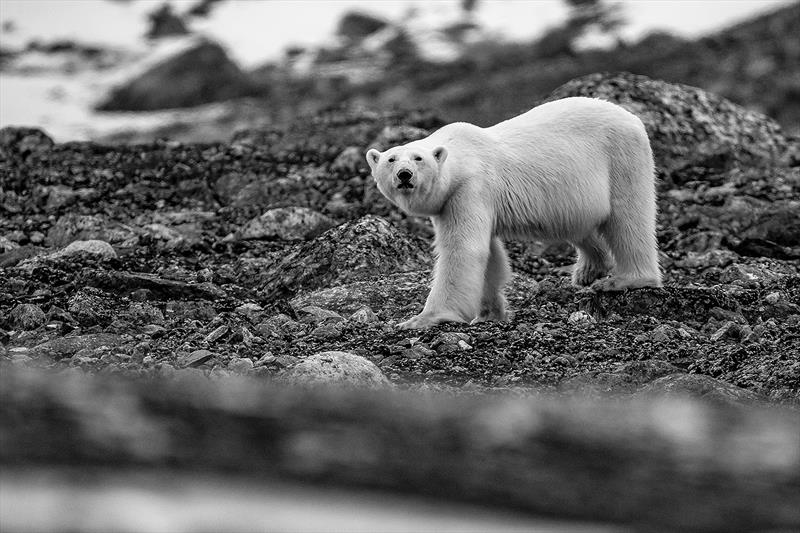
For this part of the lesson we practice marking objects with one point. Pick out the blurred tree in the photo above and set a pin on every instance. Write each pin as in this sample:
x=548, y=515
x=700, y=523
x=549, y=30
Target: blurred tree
x=202, y=8
x=165, y=23
x=584, y=15
x=469, y=6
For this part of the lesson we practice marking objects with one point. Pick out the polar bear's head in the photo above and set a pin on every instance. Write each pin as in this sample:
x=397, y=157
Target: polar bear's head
x=410, y=176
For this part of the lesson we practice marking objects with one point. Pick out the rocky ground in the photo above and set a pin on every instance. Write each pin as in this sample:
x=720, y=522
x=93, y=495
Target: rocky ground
x=251, y=256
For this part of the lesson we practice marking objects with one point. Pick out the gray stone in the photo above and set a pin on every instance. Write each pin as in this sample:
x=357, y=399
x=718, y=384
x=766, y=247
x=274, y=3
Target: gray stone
x=27, y=316
x=336, y=368
x=92, y=247
x=364, y=315
x=68, y=346
x=696, y=385
x=240, y=365
x=288, y=224
x=195, y=358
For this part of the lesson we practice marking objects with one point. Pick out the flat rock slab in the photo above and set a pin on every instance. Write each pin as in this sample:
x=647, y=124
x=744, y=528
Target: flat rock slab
x=126, y=282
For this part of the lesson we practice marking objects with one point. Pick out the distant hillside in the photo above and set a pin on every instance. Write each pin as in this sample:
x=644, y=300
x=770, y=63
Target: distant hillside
x=756, y=63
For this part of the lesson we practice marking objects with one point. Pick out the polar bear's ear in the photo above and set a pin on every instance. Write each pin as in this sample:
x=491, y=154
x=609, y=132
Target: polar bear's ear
x=372, y=158
x=440, y=154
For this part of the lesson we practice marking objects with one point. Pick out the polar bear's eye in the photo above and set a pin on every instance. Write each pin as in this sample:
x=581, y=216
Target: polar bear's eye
x=417, y=158
x=391, y=160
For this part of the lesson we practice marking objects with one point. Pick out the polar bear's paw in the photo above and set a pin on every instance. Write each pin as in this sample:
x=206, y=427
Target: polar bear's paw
x=493, y=314
x=425, y=320
x=617, y=283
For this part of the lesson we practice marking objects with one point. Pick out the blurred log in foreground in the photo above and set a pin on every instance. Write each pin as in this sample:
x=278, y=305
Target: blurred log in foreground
x=665, y=464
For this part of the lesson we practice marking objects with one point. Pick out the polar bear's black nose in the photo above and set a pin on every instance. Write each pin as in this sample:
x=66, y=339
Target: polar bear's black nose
x=405, y=175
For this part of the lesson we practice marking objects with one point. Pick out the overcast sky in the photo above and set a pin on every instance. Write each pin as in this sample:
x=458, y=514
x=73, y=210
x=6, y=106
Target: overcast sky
x=258, y=30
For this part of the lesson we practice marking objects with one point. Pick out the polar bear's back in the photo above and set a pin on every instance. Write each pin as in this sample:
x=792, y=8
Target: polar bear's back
x=560, y=164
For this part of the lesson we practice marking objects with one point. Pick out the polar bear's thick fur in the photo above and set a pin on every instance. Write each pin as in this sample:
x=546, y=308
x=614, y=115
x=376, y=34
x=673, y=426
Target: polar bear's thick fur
x=577, y=170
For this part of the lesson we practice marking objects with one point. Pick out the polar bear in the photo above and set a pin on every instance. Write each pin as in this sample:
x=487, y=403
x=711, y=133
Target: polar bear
x=578, y=170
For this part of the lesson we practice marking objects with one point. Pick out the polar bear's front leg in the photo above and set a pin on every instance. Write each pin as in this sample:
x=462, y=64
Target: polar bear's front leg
x=458, y=278
x=498, y=272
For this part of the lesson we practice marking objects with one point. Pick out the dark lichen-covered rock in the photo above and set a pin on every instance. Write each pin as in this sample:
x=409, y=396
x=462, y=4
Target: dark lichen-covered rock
x=27, y=316
x=687, y=126
x=21, y=142
x=352, y=251
x=288, y=224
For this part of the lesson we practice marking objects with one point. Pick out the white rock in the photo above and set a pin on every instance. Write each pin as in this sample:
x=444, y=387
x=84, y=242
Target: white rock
x=92, y=246
x=337, y=368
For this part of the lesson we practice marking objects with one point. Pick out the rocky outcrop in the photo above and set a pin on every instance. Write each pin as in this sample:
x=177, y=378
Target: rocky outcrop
x=688, y=127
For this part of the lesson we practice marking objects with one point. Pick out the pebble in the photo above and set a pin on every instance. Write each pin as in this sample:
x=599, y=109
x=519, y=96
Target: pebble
x=216, y=334
x=193, y=359
x=365, y=315
x=581, y=317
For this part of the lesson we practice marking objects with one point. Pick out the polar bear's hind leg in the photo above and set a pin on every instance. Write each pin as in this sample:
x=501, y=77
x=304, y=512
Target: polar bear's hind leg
x=594, y=260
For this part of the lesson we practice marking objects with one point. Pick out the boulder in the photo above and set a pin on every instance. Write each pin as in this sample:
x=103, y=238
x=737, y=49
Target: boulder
x=336, y=368
x=287, y=224
x=201, y=74
x=356, y=250
x=687, y=126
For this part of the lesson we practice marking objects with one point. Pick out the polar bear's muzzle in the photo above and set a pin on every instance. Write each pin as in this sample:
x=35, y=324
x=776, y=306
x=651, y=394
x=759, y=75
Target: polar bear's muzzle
x=404, y=176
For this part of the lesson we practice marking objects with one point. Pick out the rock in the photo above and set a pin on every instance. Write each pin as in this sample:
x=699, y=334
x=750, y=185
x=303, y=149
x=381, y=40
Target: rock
x=154, y=330
x=781, y=226
x=240, y=365
x=217, y=334
x=704, y=387
x=6, y=245
x=158, y=287
x=92, y=247
x=350, y=160
x=144, y=313
x=250, y=310
x=336, y=368
x=198, y=75
x=626, y=378
x=361, y=249
x=687, y=126
x=451, y=342
x=195, y=358
x=391, y=294
x=58, y=196
x=317, y=315
x=364, y=315
x=581, y=317
x=73, y=227
x=23, y=142
x=328, y=330
x=68, y=346
x=288, y=224
x=419, y=351
x=27, y=316
x=747, y=275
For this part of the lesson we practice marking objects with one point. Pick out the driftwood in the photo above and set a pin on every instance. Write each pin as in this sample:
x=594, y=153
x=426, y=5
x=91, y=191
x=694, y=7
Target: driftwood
x=660, y=464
